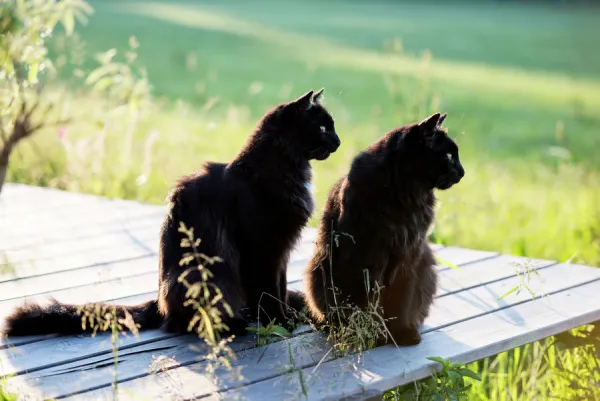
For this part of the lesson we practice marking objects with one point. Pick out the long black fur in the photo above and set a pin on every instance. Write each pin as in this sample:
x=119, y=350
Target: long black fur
x=380, y=213
x=250, y=213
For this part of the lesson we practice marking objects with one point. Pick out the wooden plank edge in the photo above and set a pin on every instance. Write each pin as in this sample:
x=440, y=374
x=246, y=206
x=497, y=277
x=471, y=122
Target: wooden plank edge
x=152, y=294
x=160, y=335
x=136, y=222
x=543, y=266
x=425, y=331
x=108, y=262
x=425, y=369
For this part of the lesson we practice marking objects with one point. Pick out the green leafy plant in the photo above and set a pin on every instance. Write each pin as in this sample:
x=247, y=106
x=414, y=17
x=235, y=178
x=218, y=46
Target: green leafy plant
x=575, y=363
x=447, y=263
x=525, y=272
x=293, y=368
x=25, y=26
x=207, y=301
x=269, y=333
x=104, y=318
x=352, y=329
x=121, y=94
x=4, y=394
x=446, y=384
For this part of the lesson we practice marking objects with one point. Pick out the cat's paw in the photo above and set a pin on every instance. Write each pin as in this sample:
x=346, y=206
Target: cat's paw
x=407, y=337
x=174, y=325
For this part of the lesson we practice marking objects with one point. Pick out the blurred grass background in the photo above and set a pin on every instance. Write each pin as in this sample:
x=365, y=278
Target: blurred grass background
x=520, y=81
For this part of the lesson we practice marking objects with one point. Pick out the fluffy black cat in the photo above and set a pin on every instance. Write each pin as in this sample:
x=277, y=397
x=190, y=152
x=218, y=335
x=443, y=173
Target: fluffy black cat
x=250, y=213
x=386, y=204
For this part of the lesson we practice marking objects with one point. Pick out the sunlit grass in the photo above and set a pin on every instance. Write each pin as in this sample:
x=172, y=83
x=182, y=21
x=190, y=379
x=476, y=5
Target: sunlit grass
x=519, y=82
x=517, y=207
x=545, y=88
x=233, y=54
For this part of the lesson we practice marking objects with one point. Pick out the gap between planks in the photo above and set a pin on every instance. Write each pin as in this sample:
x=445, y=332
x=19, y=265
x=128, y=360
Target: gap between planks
x=87, y=292
x=439, y=321
x=458, y=307
x=385, y=368
x=145, y=283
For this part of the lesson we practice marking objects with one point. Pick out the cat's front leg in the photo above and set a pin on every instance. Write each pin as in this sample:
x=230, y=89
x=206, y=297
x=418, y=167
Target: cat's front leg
x=398, y=308
x=271, y=305
x=404, y=336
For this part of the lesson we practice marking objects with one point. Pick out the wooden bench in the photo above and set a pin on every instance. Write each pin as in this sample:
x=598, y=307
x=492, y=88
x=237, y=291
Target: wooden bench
x=81, y=248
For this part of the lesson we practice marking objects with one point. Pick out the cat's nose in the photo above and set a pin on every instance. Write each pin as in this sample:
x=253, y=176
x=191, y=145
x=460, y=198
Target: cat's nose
x=336, y=141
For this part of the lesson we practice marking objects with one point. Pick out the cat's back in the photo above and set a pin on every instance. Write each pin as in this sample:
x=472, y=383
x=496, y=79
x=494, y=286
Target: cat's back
x=363, y=191
x=207, y=182
x=202, y=195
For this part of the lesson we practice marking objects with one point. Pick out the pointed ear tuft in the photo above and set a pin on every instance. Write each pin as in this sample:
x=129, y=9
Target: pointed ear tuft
x=430, y=122
x=318, y=96
x=304, y=101
x=442, y=118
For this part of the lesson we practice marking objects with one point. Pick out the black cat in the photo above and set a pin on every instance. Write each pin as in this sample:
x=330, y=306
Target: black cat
x=250, y=213
x=386, y=204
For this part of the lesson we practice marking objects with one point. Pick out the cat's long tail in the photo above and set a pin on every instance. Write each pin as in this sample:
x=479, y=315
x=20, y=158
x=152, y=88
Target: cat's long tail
x=32, y=319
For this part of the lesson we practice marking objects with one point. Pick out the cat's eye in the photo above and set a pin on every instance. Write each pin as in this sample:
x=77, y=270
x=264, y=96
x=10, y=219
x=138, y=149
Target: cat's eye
x=449, y=156
x=323, y=129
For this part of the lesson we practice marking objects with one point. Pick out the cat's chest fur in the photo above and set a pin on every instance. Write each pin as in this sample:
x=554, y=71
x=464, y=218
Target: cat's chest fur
x=309, y=199
x=281, y=205
x=297, y=194
x=407, y=224
x=300, y=200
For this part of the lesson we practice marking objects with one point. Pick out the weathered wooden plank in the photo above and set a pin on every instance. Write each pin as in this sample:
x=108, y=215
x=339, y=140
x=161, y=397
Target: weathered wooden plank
x=476, y=272
x=462, y=256
x=135, y=242
x=262, y=364
x=18, y=341
x=110, y=225
x=471, y=274
x=143, y=284
x=486, y=271
x=39, y=281
x=67, y=255
x=458, y=306
x=14, y=342
x=146, y=226
x=12, y=191
x=68, y=221
x=386, y=367
x=73, y=225
x=97, y=283
x=106, y=290
x=53, y=341
x=63, y=214
x=128, y=251
x=45, y=354
x=96, y=371
x=458, y=256
x=27, y=199
x=31, y=200
x=75, y=278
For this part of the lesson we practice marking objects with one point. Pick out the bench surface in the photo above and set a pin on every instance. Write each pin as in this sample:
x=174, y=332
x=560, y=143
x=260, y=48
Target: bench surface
x=80, y=248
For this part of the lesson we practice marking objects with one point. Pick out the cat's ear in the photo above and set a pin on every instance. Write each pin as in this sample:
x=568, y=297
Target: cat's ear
x=304, y=101
x=428, y=128
x=429, y=124
x=318, y=97
x=441, y=119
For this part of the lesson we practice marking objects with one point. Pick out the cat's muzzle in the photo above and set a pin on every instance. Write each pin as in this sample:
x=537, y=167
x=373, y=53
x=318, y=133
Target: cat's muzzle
x=448, y=180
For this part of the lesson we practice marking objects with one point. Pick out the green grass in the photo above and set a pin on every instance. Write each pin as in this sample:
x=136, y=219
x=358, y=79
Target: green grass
x=514, y=97
x=520, y=82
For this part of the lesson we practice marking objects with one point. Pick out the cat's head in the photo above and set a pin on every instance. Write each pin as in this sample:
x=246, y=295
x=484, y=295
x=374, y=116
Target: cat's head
x=433, y=154
x=307, y=127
